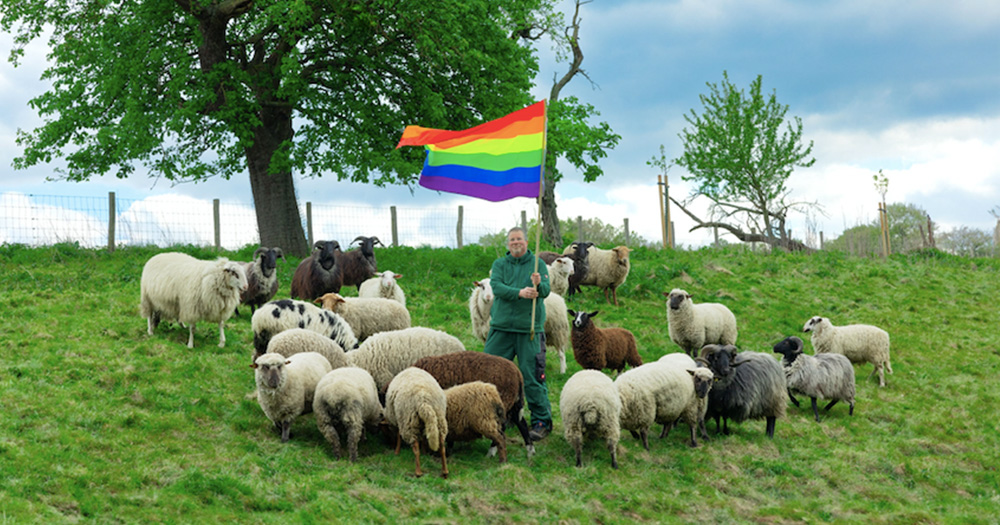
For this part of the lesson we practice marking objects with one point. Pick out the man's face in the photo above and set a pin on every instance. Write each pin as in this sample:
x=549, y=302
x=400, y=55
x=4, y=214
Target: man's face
x=517, y=244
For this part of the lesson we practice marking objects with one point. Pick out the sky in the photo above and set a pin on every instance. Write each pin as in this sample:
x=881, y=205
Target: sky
x=909, y=87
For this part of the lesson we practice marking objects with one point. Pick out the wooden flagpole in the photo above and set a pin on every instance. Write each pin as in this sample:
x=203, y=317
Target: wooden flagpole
x=538, y=222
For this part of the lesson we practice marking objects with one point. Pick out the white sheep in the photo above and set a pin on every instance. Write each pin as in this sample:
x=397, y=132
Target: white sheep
x=346, y=399
x=826, y=376
x=591, y=409
x=475, y=410
x=861, y=343
x=277, y=316
x=415, y=405
x=299, y=340
x=179, y=287
x=385, y=286
x=663, y=392
x=607, y=270
x=367, y=315
x=386, y=354
x=692, y=326
x=286, y=386
x=559, y=272
x=557, y=331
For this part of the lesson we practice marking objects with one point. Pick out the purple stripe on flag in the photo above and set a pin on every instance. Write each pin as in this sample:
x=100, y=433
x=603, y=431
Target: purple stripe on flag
x=480, y=190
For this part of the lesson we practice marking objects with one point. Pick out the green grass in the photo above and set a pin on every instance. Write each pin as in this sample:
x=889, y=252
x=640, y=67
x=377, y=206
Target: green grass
x=104, y=423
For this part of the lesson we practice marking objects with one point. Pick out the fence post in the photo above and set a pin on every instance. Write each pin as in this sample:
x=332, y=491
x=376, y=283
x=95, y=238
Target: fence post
x=111, y=221
x=215, y=221
x=524, y=221
x=715, y=231
x=458, y=229
x=579, y=228
x=673, y=235
x=309, y=223
x=626, y=232
x=395, y=233
x=820, y=240
x=663, y=217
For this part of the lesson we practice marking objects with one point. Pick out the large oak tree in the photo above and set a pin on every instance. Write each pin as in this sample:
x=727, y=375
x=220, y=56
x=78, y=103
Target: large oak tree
x=191, y=89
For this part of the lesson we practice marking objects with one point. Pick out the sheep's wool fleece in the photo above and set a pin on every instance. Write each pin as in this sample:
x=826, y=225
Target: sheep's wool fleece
x=656, y=392
x=824, y=376
x=296, y=386
x=590, y=407
x=416, y=405
x=385, y=354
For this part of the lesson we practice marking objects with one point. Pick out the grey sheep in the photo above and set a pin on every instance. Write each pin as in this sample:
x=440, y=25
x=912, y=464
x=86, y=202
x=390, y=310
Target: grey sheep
x=748, y=385
x=416, y=407
x=262, y=277
x=299, y=340
x=356, y=266
x=825, y=376
x=286, y=386
x=463, y=367
x=367, y=316
x=591, y=409
x=475, y=410
x=319, y=273
x=346, y=399
x=693, y=326
x=607, y=270
x=599, y=348
x=180, y=287
x=277, y=316
x=861, y=343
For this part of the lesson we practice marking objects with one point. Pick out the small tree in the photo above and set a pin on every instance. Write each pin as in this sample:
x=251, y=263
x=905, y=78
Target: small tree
x=740, y=158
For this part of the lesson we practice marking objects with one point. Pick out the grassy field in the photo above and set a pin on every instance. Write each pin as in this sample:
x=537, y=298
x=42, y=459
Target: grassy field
x=104, y=423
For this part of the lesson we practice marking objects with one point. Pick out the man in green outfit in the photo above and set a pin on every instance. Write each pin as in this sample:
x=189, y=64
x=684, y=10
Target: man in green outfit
x=515, y=284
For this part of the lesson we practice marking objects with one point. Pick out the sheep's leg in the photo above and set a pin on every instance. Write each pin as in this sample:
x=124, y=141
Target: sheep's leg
x=792, y=397
x=694, y=433
x=222, y=334
x=191, y=335
x=645, y=439
x=770, y=426
x=399, y=442
x=613, y=448
x=881, y=375
x=815, y=410
x=830, y=405
x=522, y=427
x=353, y=437
x=444, y=460
x=667, y=427
x=614, y=295
x=416, y=453
x=286, y=428
x=851, y=411
x=704, y=431
x=562, y=361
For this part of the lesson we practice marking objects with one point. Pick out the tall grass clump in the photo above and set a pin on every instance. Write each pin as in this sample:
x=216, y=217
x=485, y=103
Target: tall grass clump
x=105, y=423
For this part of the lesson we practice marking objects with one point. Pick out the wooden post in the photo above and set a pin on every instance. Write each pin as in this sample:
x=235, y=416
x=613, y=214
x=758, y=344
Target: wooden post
x=627, y=233
x=309, y=224
x=458, y=228
x=672, y=235
x=666, y=209
x=882, y=232
x=524, y=221
x=395, y=233
x=111, y=221
x=217, y=223
x=663, y=217
x=715, y=231
x=579, y=228
x=820, y=240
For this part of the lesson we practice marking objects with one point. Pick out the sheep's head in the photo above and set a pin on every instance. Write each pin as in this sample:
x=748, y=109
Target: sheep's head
x=367, y=244
x=486, y=291
x=582, y=319
x=621, y=253
x=270, y=370
x=387, y=278
x=267, y=259
x=236, y=275
x=580, y=250
x=565, y=263
x=790, y=347
x=325, y=252
x=676, y=298
x=703, y=379
x=719, y=359
x=330, y=301
x=812, y=323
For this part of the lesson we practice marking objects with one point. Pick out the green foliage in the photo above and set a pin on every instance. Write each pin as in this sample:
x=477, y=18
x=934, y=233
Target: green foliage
x=573, y=138
x=103, y=423
x=967, y=241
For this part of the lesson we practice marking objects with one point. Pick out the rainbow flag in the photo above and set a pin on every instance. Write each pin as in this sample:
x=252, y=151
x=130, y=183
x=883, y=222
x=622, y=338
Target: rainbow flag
x=495, y=161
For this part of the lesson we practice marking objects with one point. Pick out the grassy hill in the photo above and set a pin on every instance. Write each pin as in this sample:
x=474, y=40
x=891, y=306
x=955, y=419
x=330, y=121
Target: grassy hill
x=104, y=423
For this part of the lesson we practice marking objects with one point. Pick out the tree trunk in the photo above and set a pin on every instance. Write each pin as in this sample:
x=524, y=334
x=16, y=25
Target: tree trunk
x=278, y=219
x=550, y=221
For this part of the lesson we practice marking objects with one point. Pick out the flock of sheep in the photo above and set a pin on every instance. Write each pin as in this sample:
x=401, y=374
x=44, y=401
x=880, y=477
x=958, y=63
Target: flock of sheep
x=359, y=365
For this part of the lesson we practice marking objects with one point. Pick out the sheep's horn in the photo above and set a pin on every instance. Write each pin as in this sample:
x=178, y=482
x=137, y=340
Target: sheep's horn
x=361, y=238
x=702, y=361
x=318, y=245
x=279, y=253
x=707, y=350
x=376, y=241
x=258, y=251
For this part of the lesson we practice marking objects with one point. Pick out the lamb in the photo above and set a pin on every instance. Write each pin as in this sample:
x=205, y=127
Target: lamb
x=262, y=277
x=358, y=265
x=386, y=354
x=607, y=270
x=663, y=392
x=415, y=405
x=277, y=316
x=559, y=272
x=599, y=348
x=827, y=376
x=299, y=340
x=748, y=385
x=346, y=399
x=591, y=409
x=692, y=326
x=319, y=273
x=367, y=315
x=861, y=343
x=383, y=285
x=577, y=251
x=286, y=386
x=475, y=410
x=178, y=286
x=464, y=367
x=556, y=325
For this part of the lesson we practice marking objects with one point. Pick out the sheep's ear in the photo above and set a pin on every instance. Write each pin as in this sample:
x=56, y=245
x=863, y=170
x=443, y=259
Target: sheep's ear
x=571, y=313
x=666, y=294
x=689, y=371
x=594, y=313
x=253, y=365
x=398, y=276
